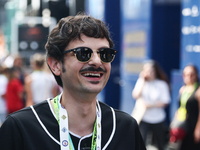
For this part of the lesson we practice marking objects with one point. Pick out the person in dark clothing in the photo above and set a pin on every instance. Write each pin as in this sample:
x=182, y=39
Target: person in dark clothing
x=185, y=127
x=190, y=102
x=79, y=54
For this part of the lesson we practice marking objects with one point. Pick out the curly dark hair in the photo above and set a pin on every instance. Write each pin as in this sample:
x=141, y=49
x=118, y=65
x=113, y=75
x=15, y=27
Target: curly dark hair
x=71, y=28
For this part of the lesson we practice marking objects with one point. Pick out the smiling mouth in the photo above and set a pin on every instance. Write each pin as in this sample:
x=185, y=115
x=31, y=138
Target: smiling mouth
x=93, y=72
x=92, y=75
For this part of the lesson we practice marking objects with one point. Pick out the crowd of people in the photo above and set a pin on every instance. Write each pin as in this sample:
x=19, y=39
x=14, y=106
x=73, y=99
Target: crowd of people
x=152, y=95
x=79, y=55
x=19, y=89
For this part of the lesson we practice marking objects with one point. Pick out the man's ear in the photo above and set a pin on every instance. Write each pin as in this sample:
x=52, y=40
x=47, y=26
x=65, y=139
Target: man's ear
x=55, y=65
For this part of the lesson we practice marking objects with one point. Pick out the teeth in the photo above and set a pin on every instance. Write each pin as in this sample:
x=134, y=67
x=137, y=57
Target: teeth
x=92, y=74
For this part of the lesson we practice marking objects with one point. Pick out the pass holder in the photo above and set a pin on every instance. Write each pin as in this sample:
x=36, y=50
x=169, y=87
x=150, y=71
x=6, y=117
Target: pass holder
x=64, y=128
x=65, y=142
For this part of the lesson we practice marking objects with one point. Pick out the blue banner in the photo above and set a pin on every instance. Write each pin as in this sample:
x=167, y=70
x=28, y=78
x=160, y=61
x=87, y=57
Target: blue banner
x=135, y=28
x=190, y=33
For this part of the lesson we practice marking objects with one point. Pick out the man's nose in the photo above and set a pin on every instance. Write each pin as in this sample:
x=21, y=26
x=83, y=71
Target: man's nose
x=95, y=60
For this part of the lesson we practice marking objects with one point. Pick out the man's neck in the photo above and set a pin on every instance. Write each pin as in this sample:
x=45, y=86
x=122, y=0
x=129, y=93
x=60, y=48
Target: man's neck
x=81, y=115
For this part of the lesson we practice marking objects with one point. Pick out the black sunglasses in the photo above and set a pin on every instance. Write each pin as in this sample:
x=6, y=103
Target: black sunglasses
x=84, y=54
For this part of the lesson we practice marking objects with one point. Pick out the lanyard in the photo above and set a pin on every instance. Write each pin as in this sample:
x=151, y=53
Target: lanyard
x=62, y=118
x=182, y=111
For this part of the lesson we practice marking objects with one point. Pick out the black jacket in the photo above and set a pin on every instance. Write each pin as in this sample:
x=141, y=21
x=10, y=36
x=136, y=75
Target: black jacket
x=22, y=131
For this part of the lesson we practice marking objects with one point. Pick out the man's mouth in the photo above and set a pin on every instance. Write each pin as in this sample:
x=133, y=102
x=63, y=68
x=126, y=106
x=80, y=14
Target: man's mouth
x=92, y=75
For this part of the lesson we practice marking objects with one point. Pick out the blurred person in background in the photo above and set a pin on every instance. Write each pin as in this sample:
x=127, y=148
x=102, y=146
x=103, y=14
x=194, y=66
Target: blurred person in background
x=40, y=84
x=3, y=85
x=189, y=108
x=18, y=63
x=153, y=89
x=14, y=91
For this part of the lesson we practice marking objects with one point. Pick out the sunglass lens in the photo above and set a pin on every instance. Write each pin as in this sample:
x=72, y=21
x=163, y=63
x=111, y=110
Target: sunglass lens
x=107, y=55
x=83, y=54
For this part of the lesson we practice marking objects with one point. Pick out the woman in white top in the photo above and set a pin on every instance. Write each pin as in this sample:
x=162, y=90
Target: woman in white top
x=153, y=89
x=40, y=84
